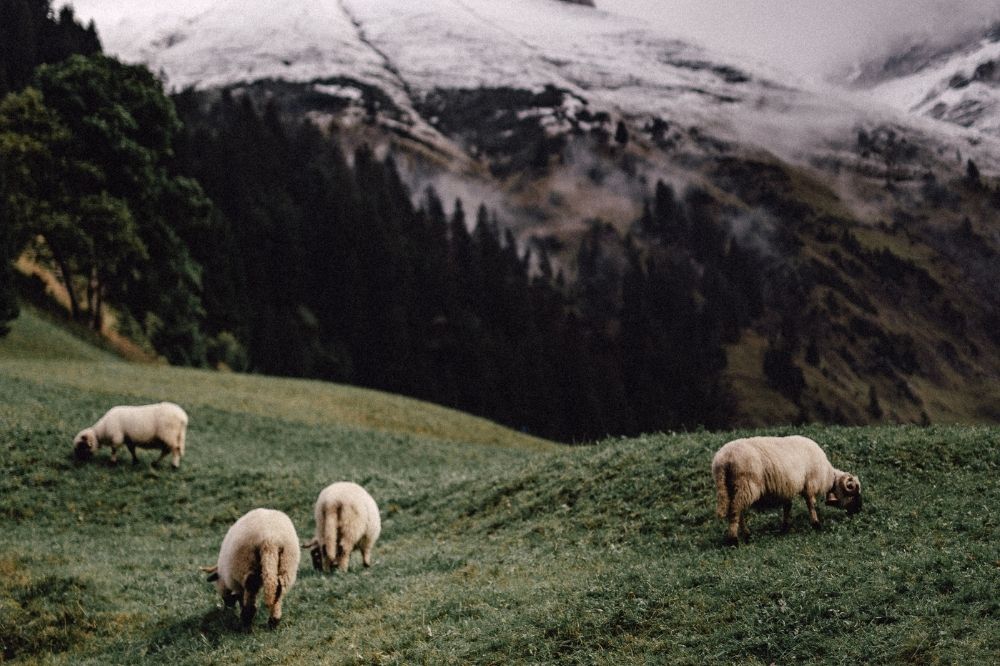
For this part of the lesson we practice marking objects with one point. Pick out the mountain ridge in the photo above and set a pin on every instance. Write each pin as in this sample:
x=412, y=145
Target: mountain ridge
x=567, y=133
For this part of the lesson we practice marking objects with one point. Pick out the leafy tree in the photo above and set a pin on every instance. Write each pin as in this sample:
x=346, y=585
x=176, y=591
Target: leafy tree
x=36, y=172
x=87, y=153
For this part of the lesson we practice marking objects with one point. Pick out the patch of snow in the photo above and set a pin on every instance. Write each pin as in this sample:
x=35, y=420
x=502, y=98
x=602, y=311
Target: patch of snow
x=409, y=49
x=931, y=91
x=343, y=92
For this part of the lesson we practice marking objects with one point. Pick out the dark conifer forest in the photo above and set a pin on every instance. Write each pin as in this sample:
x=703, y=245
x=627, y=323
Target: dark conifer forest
x=32, y=34
x=224, y=234
x=218, y=229
x=321, y=265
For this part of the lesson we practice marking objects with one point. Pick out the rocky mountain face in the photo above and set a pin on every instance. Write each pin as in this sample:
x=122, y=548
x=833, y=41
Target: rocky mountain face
x=875, y=242
x=957, y=81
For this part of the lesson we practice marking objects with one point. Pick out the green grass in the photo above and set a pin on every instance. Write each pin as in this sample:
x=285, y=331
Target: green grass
x=496, y=548
x=33, y=335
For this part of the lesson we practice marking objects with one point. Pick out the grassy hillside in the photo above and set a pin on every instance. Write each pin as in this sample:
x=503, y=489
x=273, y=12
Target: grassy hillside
x=496, y=548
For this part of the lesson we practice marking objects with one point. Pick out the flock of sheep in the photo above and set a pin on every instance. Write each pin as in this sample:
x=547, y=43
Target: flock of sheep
x=260, y=552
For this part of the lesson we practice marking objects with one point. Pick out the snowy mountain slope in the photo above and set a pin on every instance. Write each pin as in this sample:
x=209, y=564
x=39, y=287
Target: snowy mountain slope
x=959, y=84
x=562, y=118
x=408, y=50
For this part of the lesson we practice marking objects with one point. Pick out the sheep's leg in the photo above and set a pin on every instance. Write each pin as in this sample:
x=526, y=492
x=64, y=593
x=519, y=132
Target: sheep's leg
x=786, y=516
x=813, y=517
x=275, y=616
x=344, y=549
x=735, y=520
x=738, y=505
x=251, y=586
x=366, y=552
x=744, y=530
x=163, y=454
x=130, y=445
x=175, y=459
x=249, y=609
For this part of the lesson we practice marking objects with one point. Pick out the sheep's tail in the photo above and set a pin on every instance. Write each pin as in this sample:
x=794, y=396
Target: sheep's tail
x=270, y=555
x=331, y=532
x=725, y=487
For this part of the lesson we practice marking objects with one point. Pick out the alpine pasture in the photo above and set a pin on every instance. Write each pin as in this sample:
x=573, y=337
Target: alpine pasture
x=496, y=547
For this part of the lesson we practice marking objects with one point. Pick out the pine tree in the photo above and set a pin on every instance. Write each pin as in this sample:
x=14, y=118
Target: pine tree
x=874, y=408
x=621, y=134
x=972, y=176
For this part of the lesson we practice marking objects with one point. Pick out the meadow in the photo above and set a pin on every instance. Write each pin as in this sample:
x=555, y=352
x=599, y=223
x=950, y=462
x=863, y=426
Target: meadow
x=496, y=547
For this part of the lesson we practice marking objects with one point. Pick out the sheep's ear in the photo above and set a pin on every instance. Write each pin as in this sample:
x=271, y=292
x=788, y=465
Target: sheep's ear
x=310, y=544
x=213, y=573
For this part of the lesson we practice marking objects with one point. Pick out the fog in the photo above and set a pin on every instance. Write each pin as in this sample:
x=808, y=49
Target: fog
x=813, y=38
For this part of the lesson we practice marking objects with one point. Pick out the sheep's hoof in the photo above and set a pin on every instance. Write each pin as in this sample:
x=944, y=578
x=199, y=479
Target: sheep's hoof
x=731, y=540
x=273, y=622
x=785, y=529
x=817, y=526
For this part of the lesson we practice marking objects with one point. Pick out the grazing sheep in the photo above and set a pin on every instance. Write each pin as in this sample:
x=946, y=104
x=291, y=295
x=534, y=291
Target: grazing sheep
x=162, y=426
x=768, y=472
x=259, y=552
x=346, y=518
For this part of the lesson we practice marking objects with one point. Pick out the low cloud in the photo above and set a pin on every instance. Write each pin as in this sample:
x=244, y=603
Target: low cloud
x=813, y=38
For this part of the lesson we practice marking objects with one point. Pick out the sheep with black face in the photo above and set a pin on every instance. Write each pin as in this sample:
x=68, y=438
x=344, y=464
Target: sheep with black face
x=771, y=471
x=160, y=426
x=260, y=553
x=346, y=518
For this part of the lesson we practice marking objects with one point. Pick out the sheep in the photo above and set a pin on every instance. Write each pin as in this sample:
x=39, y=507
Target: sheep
x=346, y=518
x=163, y=426
x=259, y=552
x=767, y=472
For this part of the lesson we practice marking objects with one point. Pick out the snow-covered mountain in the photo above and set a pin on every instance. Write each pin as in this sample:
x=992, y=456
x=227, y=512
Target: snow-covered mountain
x=957, y=81
x=562, y=117
x=409, y=50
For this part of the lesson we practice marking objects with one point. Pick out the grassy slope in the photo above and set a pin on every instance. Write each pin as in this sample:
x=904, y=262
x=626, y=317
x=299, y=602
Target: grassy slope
x=489, y=554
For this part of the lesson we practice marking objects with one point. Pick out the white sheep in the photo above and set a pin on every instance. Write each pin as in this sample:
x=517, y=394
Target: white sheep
x=346, y=518
x=768, y=472
x=259, y=552
x=161, y=426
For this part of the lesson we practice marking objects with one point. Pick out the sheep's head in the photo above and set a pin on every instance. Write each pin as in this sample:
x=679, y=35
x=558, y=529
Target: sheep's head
x=85, y=443
x=316, y=552
x=213, y=577
x=846, y=493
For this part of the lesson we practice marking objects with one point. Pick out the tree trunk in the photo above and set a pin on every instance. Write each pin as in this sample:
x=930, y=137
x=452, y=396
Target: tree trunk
x=95, y=300
x=99, y=307
x=67, y=280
